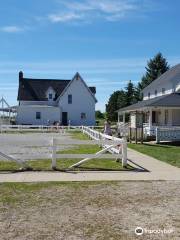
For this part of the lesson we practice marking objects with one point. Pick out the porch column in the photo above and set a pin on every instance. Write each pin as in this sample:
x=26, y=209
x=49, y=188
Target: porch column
x=118, y=117
x=124, y=117
x=150, y=119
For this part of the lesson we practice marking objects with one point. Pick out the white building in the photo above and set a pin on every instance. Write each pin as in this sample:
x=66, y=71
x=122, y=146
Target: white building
x=45, y=101
x=161, y=102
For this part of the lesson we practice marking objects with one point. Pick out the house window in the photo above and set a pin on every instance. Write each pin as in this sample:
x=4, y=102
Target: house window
x=155, y=93
x=38, y=115
x=70, y=99
x=149, y=95
x=83, y=115
x=163, y=90
x=50, y=96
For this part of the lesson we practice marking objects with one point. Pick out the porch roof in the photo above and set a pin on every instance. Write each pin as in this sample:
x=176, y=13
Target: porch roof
x=170, y=100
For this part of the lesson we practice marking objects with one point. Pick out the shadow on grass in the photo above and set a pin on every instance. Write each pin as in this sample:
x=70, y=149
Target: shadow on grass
x=75, y=170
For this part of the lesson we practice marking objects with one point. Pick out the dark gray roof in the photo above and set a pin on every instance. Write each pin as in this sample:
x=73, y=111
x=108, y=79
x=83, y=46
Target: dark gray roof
x=170, y=100
x=172, y=76
x=35, y=89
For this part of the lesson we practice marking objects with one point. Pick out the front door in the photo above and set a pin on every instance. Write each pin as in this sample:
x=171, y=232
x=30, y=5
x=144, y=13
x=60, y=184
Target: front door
x=64, y=118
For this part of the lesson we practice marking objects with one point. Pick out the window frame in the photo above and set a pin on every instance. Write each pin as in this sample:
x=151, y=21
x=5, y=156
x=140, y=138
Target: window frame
x=50, y=98
x=38, y=115
x=69, y=98
x=83, y=116
x=163, y=91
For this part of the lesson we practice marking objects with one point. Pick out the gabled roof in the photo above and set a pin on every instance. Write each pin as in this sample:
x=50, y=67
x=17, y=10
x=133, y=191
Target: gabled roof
x=170, y=100
x=172, y=76
x=35, y=89
x=78, y=76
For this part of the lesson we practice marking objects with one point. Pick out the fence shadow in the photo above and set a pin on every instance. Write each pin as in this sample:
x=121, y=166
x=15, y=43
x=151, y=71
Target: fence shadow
x=139, y=168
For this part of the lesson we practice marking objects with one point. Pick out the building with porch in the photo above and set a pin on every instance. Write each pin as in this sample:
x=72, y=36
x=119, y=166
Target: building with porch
x=160, y=105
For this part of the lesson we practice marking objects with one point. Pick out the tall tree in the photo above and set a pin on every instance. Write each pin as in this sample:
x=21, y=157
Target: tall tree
x=112, y=106
x=121, y=100
x=155, y=67
x=130, y=93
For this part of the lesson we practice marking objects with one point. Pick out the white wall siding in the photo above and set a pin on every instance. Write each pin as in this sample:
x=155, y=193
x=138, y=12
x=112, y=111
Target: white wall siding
x=45, y=103
x=82, y=102
x=27, y=115
x=176, y=117
x=169, y=88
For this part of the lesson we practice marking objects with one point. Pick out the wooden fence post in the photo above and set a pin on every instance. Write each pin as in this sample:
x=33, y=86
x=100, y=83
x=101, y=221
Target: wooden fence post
x=53, y=165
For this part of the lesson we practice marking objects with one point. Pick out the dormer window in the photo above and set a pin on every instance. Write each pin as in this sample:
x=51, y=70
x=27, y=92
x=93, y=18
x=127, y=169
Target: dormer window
x=149, y=95
x=50, y=96
x=163, y=90
x=155, y=93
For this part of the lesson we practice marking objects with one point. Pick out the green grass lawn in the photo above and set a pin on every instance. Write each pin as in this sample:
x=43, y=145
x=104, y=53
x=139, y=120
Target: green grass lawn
x=82, y=149
x=62, y=164
x=166, y=153
x=78, y=135
x=11, y=193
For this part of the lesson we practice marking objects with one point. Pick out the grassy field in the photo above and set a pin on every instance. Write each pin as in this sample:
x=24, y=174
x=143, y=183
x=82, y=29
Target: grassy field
x=78, y=135
x=165, y=153
x=81, y=149
x=63, y=164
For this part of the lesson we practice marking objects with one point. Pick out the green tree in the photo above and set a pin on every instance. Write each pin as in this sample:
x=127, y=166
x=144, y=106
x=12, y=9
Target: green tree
x=155, y=68
x=99, y=115
x=121, y=100
x=130, y=93
x=112, y=106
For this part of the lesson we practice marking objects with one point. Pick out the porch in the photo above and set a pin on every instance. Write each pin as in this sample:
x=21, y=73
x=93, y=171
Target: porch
x=154, y=117
x=161, y=112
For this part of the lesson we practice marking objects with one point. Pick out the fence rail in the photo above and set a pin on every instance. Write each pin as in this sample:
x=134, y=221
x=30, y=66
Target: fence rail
x=111, y=144
x=119, y=144
x=32, y=128
x=40, y=128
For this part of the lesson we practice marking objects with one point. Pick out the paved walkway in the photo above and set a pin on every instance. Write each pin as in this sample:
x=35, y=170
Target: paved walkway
x=148, y=168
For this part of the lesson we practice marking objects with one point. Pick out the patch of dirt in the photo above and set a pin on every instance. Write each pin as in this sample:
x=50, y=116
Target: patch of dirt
x=98, y=211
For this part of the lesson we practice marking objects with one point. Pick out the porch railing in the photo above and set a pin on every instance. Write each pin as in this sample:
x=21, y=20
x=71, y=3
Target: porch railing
x=167, y=134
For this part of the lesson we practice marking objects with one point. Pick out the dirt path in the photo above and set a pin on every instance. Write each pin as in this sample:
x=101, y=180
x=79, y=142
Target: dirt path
x=90, y=211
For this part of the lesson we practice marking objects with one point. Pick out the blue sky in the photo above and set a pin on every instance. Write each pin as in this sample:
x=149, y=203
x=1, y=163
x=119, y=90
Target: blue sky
x=107, y=41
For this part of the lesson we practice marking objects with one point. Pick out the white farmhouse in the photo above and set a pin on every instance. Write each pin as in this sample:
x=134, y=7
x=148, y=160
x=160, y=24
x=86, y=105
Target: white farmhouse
x=161, y=102
x=45, y=101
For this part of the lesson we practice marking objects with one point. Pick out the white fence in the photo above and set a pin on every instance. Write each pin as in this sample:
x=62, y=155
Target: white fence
x=111, y=144
x=167, y=134
x=120, y=144
x=32, y=128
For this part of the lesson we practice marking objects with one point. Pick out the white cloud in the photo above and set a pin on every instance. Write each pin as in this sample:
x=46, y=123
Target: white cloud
x=108, y=10
x=11, y=29
x=66, y=17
